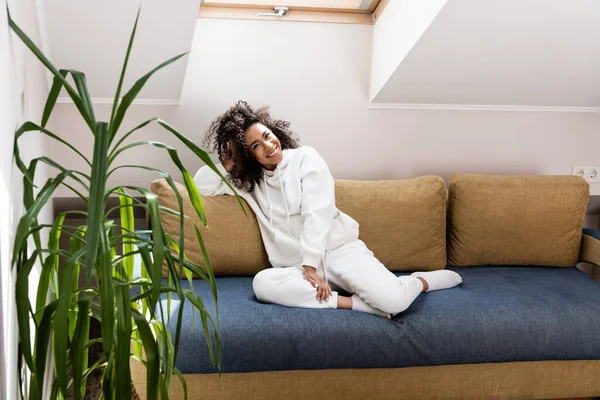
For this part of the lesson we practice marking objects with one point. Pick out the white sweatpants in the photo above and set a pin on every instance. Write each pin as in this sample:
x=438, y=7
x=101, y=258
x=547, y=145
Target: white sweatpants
x=351, y=267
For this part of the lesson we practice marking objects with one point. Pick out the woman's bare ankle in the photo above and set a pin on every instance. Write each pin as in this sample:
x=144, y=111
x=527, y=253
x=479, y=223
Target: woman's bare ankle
x=425, y=284
x=344, y=302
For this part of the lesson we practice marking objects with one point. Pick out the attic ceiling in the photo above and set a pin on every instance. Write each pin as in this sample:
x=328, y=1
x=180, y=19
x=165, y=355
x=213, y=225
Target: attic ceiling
x=475, y=52
x=92, y=36
x=510, y=52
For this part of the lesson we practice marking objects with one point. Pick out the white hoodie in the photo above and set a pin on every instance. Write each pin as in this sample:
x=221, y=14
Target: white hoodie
x=295, y=208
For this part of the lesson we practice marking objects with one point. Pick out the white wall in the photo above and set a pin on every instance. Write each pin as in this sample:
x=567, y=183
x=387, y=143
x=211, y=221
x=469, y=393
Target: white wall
x=7, y=307
x=25, y=84
x=397, y=30
x=317, y=76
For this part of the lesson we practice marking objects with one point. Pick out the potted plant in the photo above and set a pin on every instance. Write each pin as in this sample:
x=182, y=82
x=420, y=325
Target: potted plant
x=103, y=251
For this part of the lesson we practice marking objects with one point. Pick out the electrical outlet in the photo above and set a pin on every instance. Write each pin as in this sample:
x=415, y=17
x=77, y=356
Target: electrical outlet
x=589, y=173
x=580, y=171
x=593, y=174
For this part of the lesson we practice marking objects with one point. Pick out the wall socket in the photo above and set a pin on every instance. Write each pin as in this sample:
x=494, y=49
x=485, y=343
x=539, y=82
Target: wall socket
x=589, y=173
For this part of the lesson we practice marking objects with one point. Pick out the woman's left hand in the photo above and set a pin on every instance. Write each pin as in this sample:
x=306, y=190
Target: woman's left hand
x=323, y=288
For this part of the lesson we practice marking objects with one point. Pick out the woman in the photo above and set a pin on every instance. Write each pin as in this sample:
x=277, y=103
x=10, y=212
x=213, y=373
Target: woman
x=311, y=244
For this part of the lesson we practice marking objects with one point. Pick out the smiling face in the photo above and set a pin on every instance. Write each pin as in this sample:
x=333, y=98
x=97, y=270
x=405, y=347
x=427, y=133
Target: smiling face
x=263, y=145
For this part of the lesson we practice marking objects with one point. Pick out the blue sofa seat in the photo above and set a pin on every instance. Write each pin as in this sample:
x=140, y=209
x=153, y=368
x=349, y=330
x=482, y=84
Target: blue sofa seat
x=498, y=314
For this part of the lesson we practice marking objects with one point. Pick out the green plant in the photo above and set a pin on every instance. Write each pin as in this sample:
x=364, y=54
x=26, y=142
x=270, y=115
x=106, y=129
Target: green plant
x=128, y=323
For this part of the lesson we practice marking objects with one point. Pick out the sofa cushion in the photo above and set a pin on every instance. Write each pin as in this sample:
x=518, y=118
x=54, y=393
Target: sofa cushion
x=402, y=221
x=590, y=247
x=232, y=239
x=498, y=314
x=515, y=220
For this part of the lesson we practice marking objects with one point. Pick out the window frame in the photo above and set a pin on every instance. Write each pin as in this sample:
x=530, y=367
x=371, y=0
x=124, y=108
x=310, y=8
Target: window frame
x=212, y=9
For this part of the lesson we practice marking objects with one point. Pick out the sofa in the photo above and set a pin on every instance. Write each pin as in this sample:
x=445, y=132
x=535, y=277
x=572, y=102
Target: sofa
x=524, y=324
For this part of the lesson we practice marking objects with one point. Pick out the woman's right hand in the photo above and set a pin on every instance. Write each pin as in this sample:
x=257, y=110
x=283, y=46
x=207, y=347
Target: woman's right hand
x=323, y=288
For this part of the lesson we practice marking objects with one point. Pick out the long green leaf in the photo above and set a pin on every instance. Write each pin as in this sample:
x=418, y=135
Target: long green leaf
x=175, y=275
x=31, y=214
x=169, y=355
x=163, y=289
x=82, y=88
x=28, y=201
x=28, y=198
x=55, y=392
x=37, y=52
x=22, y=289
x=123, y=373
x=146, y=272
x=195, y=268
x=118, y=272
x=209, y=272
x=165, y=346
x=77, y=243
x=101, y=363
x=127, y=223
x=137, y=345
x=171, y=183
x=50, y=263
x=206, y=318
x=79, y=349
x=133, y=92
x=108, y=377
x=31, y=127
x=57, y=85
x=20, y=164
x=158, y=248
x=107, y=300
x=123, y=70
x=61, y=320
x=203, y=155
x=146, y=258
x=54, y=164
x=162, y=387
x=117, y=152
x=191, y=187
x=183, y=383
x=179, y=273
x=42, y=342
x=96, y=203
x=118, y=144
x=152, y=355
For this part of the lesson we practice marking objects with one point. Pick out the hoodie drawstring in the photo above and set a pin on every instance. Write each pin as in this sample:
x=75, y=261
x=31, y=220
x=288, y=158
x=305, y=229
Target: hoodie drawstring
x=270, y=208
x=287, y=210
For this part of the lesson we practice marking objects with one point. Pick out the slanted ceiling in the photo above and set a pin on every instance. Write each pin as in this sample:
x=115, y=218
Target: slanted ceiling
x=92, y=36
x=509, y=52
x=468, y=52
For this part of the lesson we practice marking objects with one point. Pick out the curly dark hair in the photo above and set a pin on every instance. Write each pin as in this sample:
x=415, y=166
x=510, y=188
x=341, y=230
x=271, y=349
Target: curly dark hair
x=230, y=127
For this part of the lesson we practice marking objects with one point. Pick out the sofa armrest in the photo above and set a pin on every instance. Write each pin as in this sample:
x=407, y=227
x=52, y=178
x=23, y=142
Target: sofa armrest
x=590, y=246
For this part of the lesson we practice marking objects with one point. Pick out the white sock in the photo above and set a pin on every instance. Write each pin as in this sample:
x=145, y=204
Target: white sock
x=442, y=279
x=359, y=304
